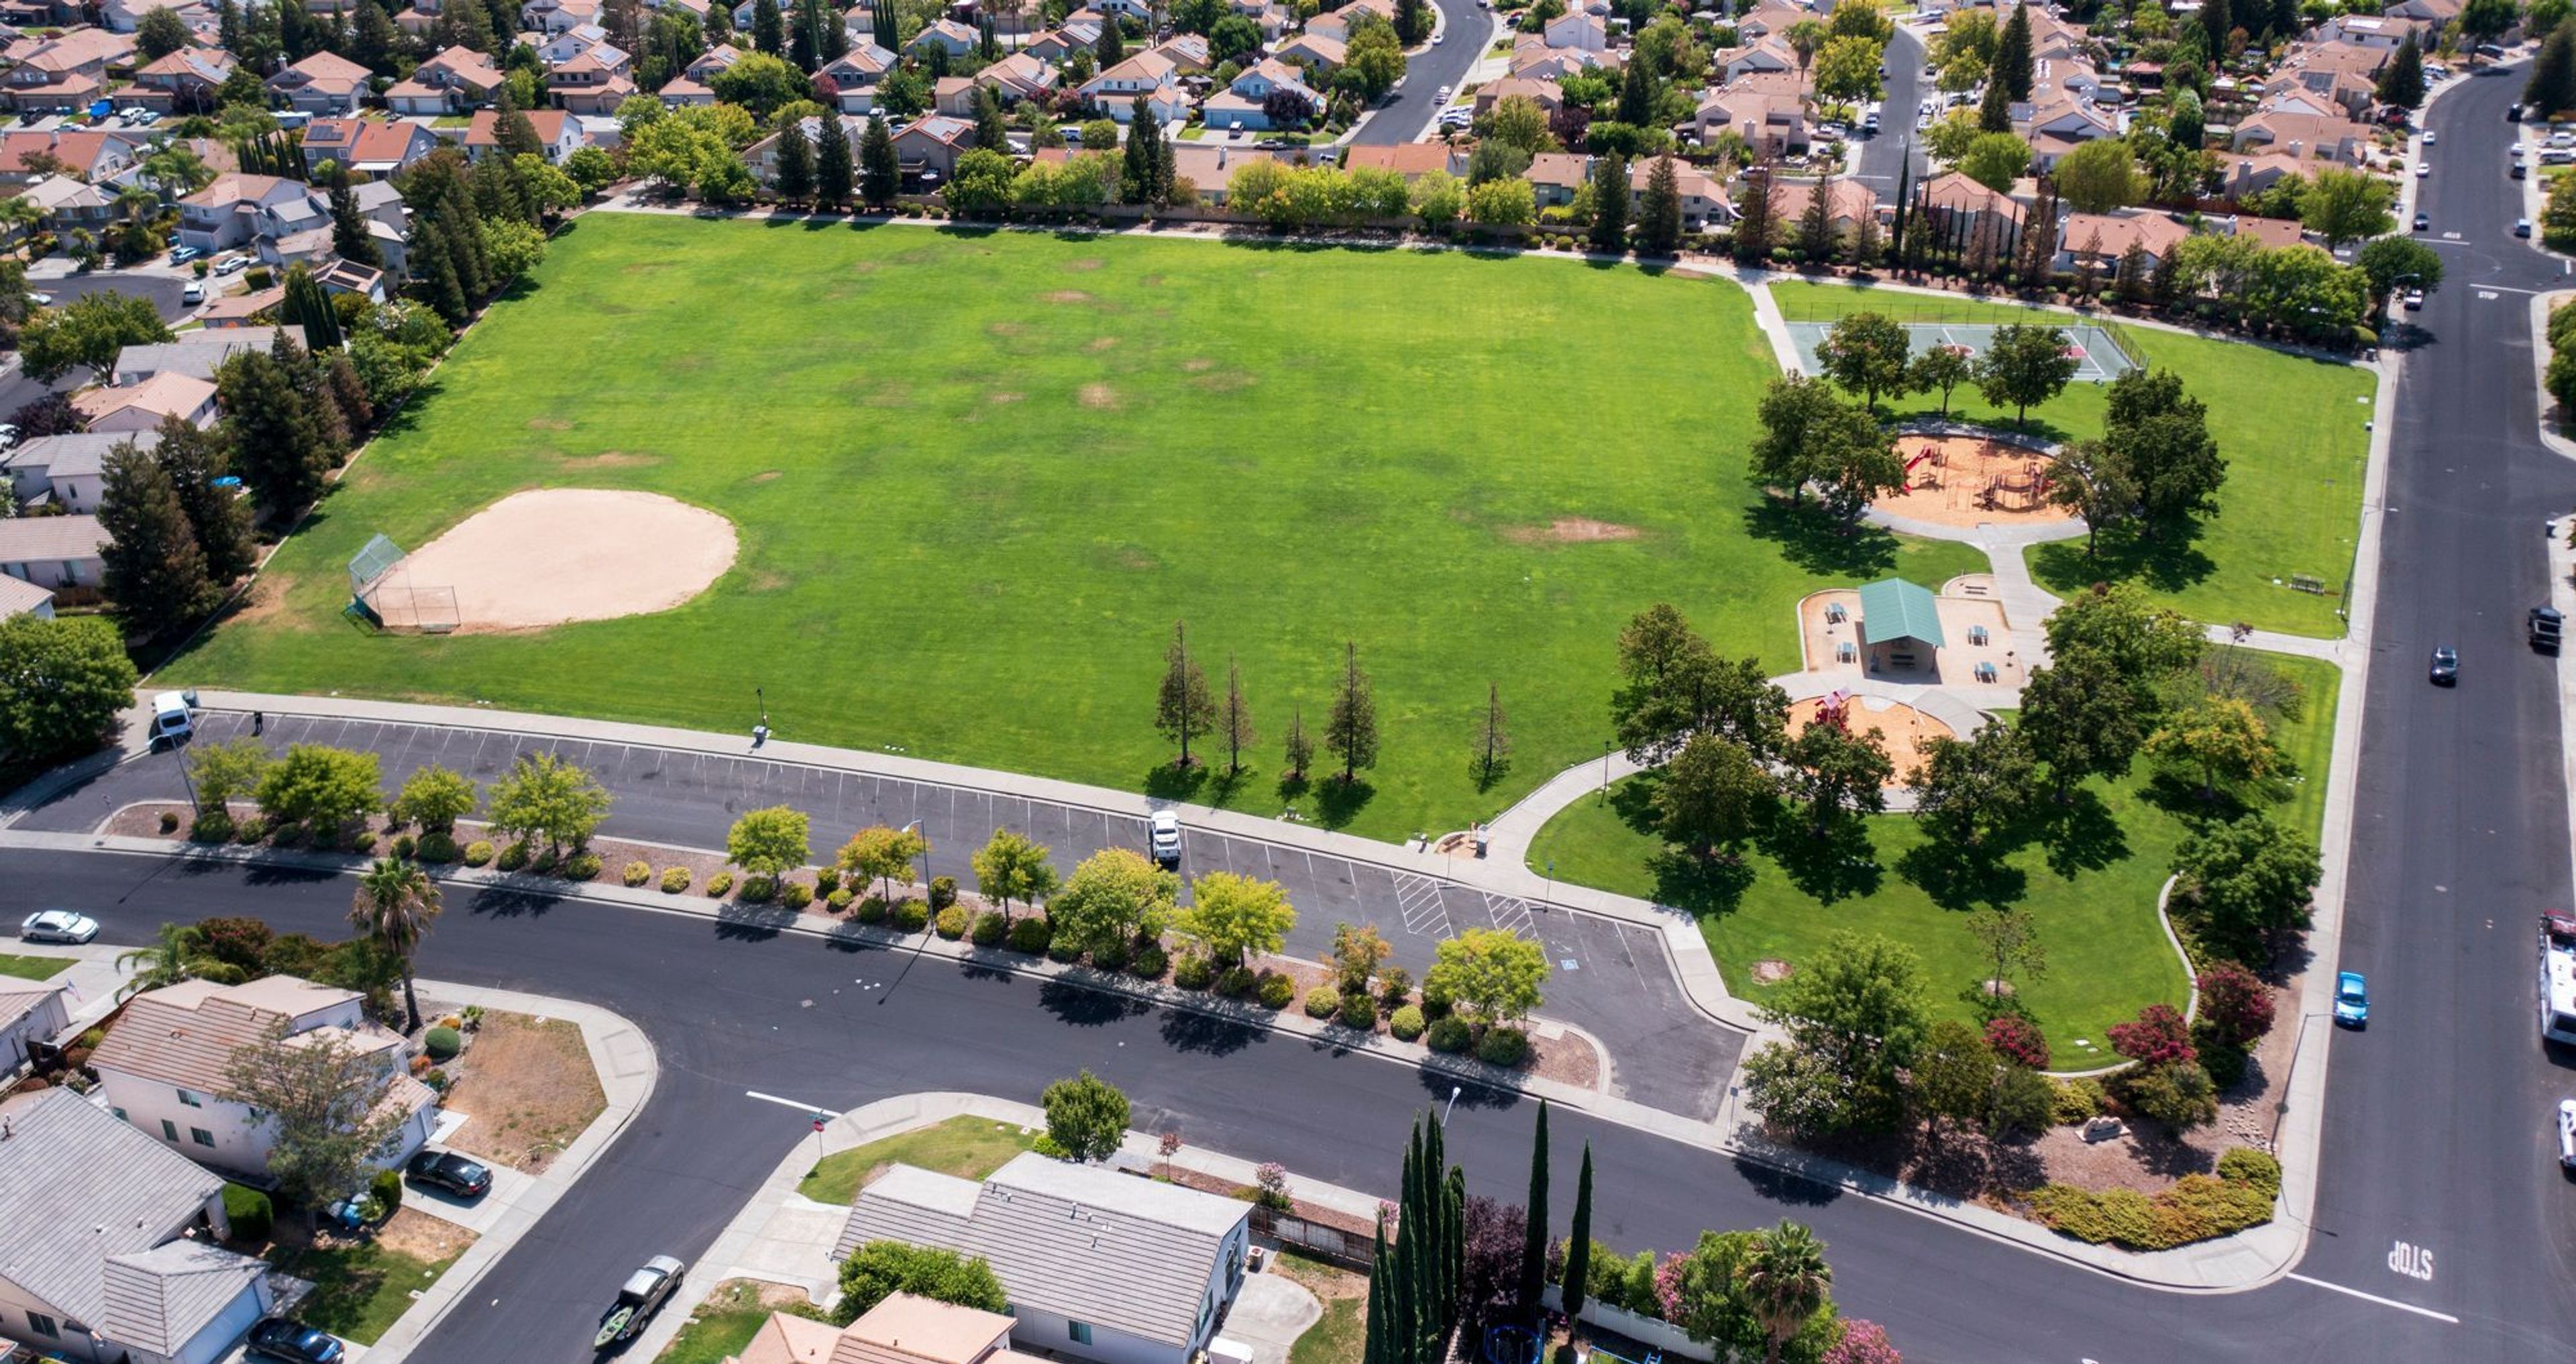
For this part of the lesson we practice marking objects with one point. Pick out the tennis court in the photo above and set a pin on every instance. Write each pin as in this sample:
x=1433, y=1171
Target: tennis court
x=2098, y=356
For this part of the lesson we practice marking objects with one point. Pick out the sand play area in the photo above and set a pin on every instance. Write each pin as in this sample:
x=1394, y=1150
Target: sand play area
x=557, y=555
x=1902, y=729
x=1968, y=480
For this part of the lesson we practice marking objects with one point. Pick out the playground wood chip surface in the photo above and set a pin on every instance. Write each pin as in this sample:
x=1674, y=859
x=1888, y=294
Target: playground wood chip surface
x=1972, y=480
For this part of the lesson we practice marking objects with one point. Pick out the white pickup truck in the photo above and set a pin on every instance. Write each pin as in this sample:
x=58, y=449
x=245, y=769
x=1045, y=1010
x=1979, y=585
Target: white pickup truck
x=173, y=717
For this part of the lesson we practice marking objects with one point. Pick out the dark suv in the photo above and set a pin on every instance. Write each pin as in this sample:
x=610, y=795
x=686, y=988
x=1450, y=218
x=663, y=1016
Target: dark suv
x=452, y=1172
x=293, y=1341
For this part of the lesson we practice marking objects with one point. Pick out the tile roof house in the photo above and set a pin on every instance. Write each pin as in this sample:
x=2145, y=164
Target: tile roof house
x=1017, y=77
x=853, y=76
x=1097, y=1264
x=65, y=71
x=143, y=406
x=1058, y=44
x=197, y=354
x=166, y=1064
x=68, y=203
x=1412, y=160
x=595, y=82
x=95, y=1257
x=1771, y=124
x=1315, y=52
x=52, y=551
x=450, y=83
x=931, y=145
x=1336, y=23
x=558, y=133
x=1246, y=103
x=30, y=1011
x=183, y=81
x=1555, y=176
x=370, y=146
x=1210, y=166
x=1547, y=95
x=2326, y=138
x=762, y=156
x=237, y=208
x=66, y=471
x=1151, y=75
x=92, y=156
x=901, y=1329
x=1702, y=201
x=947, y=33
x=1578, y=29
x=242, y=309
x=325, y=85
x=2103, y=238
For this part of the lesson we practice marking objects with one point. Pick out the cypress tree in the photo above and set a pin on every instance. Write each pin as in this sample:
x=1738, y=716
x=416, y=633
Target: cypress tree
x=795, y=164
x=805, y=41
x=835, y=39
x=1144, y=154
x=1534, y=1236
x=349, y=237
x=2011, y=66
x=2217, y=21
x=1373, y=1343
x=1578, y=1244
x=308, y=305
x=1454, y=1241
x=433, y=273
x=880, y=174
x=768, y=28
x=1753, y=223
x=832, y=168
x=280, y=446
x=218, y=518
x=1112, y=47
x=1994, y=112
x=1816, y=225
x=1609, y=230
x=153, y=569
x=991, y=128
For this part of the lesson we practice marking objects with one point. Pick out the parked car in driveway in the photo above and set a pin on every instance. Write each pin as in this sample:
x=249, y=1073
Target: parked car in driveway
x=452, y=1172
x=232, y=265
x=57, y=925
x=293, y=1341
x=181, y=255
x=2352, y=999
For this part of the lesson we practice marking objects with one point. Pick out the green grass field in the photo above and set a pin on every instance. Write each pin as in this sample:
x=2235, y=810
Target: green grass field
x=2290, y=429
x=977, y=477
x=2107, y=955
x=33, y=968
x=719, y=1328
x=967, y=1147
x=359, y=1289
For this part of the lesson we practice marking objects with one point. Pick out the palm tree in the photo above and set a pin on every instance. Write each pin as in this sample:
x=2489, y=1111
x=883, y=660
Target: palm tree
x=177, y=170
x=1784, y=1281
x=177, y=954
x=20, y=219
x=135, y=201
x=395, y=905
x=1805, y=38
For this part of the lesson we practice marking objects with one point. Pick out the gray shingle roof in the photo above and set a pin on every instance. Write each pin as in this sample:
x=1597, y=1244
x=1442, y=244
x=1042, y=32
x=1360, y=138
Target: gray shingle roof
x=18, y=596
x=82, y=452
x=196, y=354
x=48, y=539
x=78, y=1186
x=159, y=1299
x=1082, y=1240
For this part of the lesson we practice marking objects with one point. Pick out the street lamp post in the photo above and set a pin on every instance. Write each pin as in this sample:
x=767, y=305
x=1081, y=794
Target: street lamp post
x=1452, y=1106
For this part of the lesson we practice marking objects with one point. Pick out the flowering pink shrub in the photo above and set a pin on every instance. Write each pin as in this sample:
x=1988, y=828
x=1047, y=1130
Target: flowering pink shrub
x=1863, y=1342
x=2158, y=1038
x=2018, y=1040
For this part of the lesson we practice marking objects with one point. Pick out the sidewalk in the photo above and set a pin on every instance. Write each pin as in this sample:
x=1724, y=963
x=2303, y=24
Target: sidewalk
x=628, y=1070
x=90, y=973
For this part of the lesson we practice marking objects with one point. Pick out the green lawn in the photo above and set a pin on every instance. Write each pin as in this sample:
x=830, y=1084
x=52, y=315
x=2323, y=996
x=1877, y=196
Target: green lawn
x=2107, y=955
x=719, y=1328
x=33, y=968
x=359, y=1290
x=967, y=1147
x=2290, y=429
x=978, y=476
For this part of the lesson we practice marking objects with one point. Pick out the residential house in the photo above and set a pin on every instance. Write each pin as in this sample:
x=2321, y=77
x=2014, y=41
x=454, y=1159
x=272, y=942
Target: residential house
x=1764, y=57
x=558, y=134
x=1579, y=29
x=2379, y=31
x=853, y=77
x=2346, y=75
x=946, y=33
x=1246, y=103
x=900, y=1329
x=68, y=204
x=1151, y=75
x=184, y=81
x=1057, y=45
x=66, y=71
x=325, y=85
x=450, y=83
x=2272, y=232
x=1412, y=160
x=197, y=354
x=931, y=146
x=236, y=209
x=1318, y=54
x=98, y=1260
x=1955, y=206
x=1769, y=18
x=595, y=82
x=2058, y=125
x=1547, y=95
x=30, y=1011
x=1097, y=1264
x=1772, y=123
x=1210, y=166
x=29, y=155
x=244, y=309
x=1188, y=53
x=19, y=598
x=1017, y=77
x=2326, y=139
x=372, y=147
x=1533, y=58
x=64, y=471
x=125, y=16
x=144, y=406
x=1703, y=203
x=338, y=276
x=52, y=551
x=2103, y=238
x=1336, y=24
x=953, y=96
x=1847, y=202
x=165, y=1066
x=552, y=17
x=762, y=156
x=1555, y=177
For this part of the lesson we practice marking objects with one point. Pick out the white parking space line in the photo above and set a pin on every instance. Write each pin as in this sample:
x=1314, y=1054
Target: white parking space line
x=1418, y=897
x=1509, y=913
x=2373, y=1297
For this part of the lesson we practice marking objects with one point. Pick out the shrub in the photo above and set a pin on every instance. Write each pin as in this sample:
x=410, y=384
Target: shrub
x=581, y=866
x=436, y=1079
x=478, y=853
x=442, y=1043
x=543, y=860
x=2159, y=1037
x=1050, y=1148
x=1031, y=935
x=674, y=880
x=826, y=881
x=1193, y=972
x=639, y=872
x=911, y=916
x=1451, y=1035
x=1503, y=1047
x=169, y=821
x=2179, y=1095
x=839, y=900
x=943, y=891
x=2225, y=1064
x=1275, y=990
x=1435, y=1002
x=2244, y=1164
x=2018, y=1040
x=2235, y=1005
x=364, y=841
x=872, y=910
x=1323, y=1002
x=1394, y=987
x=796, y=895
x=1110, y=955
x=1064, y=951
x=438, y=848
x=214, y=826
x=1359, y=1011
x=1234, y=982
x=387, y=1189
x=1149, y=961
x=759, y=890
x=513, y=857
x=990, y=929
x=2079, y=1100
x=405, y=846
x=952, y=923
x=718, y=884
x=251, y=829
x=420, y=1065
x=250, y=1213
x=2196, y=1208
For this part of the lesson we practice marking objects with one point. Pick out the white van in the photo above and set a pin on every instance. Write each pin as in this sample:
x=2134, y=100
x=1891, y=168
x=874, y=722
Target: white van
x=172, y=721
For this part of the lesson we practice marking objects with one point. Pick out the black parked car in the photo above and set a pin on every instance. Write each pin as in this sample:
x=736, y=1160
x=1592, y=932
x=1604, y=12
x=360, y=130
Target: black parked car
x=2446, y=666
x=452, y=1172
x=293, y=1341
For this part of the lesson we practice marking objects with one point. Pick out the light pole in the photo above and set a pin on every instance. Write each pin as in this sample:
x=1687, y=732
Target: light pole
x=914, y=828
x=1605, y=771
x=1452, y=1106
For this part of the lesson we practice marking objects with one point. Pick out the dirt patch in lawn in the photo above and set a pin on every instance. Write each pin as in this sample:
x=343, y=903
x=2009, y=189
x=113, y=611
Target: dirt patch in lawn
x=1230, y=381
x=1065, y=296
x=1098, y=396
x=548, y=424
x=1570, y=530
x=1771, y=971
x=1102, y=343
x=611, y=459
x=528, y=1089
x=1005, y=328
x=422, y=1236
x=769, y=476
x=998, y=399
x=1086, y=263
x=1197, y=366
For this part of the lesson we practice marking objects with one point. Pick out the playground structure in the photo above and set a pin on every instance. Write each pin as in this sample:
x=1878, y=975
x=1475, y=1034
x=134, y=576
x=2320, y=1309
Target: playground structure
x=382, y=593
x=1973, y=480
x=1906, y=732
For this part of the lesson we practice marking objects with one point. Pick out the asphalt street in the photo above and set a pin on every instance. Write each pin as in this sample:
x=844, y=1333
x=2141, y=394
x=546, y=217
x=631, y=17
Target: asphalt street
x=732, y=1010
x=1612, y=979
x=1408, y=111
x=17, y=390
x=1882, y=158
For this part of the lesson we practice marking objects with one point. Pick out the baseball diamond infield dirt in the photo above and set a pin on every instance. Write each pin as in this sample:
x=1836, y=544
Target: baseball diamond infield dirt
x=557, y=555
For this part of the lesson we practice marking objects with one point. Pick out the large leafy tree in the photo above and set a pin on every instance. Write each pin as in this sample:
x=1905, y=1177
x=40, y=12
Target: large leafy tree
x=324, y=1097
x=2244, y=881
x=395, y=904
x=2161, y=437
x=1013, y=866
x=2220, y=738
x=1973, y=791
x=1232, y=917
x=542, y=794
x=2025, y=364
x=151, y=565
x=321, y=787
x=1995, y=159
x=1086, y=1115
x=1715, y=797
x=769, y=841
x=2080, y=719
x=1493, y=973
x=883, y=855
x=1837, y=774
x=1115, y=895
x=88, y=333
x=2346, y=205
x=2099, y=176
x=880, y=1269
x=1674, y=686
x=2093, y=481
x=62, y=682
x=1868, y=354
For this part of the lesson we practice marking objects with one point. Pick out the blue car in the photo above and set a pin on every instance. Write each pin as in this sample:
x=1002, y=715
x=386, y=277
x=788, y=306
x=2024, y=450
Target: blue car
x=2352, y=999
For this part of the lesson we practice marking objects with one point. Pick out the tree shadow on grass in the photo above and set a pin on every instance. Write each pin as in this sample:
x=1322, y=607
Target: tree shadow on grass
x=1171, y=781
x=2179, y=794
x=2124, y=554
x=1839, y=864
x=1818, y=544
x=1338, y=802
x=2080, y=835
x=1704, y=886
x=1958, y=876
